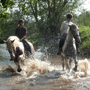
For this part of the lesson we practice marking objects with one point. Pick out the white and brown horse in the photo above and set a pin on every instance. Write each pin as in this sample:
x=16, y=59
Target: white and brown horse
x=17, y=51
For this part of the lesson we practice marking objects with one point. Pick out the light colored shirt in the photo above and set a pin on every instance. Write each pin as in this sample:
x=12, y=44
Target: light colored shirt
x=65, y=27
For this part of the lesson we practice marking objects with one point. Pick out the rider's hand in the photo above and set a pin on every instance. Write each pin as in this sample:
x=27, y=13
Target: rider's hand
x=20, y=40
x=64, y=33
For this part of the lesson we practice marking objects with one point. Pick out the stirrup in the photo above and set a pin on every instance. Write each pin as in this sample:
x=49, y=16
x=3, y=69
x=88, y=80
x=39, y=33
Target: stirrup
x=11, y=59
x=78, y=51
x=59, y=53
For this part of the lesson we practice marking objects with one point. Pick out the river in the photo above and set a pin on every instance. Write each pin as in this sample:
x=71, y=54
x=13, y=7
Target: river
x=43, y=73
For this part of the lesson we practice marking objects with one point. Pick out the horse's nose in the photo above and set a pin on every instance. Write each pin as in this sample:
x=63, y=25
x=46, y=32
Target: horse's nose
x=12, y=57
x=19, y=70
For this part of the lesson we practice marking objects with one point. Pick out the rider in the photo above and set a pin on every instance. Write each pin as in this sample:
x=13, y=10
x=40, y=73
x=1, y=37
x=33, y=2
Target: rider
x=64, y=30
x=21, y=33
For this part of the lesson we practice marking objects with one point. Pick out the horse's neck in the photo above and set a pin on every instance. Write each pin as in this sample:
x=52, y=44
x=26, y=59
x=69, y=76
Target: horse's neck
x=69, y=37
x=70, y=41
x=18, y=44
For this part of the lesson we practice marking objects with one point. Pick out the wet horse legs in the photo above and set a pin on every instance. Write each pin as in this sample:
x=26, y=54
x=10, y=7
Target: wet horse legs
x=75, y=61
x=63, y=63
x=70, y=61
x=67, y=63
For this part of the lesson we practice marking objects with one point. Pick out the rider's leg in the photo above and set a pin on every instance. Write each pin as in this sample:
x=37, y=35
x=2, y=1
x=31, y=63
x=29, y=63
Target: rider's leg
x=27, y=46
x=78, y=48
x=61, y=42
x=60, y=47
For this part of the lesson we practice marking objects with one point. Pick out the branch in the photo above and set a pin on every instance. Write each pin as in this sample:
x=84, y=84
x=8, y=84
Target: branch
x=34, y=12
x=64, y=3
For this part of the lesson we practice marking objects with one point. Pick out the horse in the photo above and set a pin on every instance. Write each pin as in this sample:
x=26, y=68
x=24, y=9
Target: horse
x=69, y=51
x=17, y=51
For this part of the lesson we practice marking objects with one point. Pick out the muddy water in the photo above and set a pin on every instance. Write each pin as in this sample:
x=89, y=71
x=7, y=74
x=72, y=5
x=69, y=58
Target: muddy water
x=43, y=73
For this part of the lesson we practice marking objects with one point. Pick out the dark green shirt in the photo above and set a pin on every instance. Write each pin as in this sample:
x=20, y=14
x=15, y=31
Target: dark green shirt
x=21, y=32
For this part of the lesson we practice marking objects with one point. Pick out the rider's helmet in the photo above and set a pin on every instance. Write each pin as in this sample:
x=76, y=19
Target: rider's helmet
x=69, y=16
x=20, y=21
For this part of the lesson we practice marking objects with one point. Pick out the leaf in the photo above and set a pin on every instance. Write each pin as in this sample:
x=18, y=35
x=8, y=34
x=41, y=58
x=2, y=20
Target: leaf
x=11, y=3
x=38, y=2
x=24, y=12
x=30, y=0
x=34, y=1
x=27, y=8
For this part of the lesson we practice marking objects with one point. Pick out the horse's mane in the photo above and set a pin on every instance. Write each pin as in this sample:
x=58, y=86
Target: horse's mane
x=74, y=26
x=11, y=38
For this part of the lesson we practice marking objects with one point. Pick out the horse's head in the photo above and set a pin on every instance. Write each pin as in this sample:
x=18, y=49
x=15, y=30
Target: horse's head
x=16, y=50
x=19, y=58
x=12, y=43
x=75, y=31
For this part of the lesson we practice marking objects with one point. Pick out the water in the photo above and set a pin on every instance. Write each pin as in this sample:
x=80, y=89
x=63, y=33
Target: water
x=43, y=73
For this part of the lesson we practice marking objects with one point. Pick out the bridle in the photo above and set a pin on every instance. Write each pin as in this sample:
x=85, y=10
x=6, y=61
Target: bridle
x=75, y=36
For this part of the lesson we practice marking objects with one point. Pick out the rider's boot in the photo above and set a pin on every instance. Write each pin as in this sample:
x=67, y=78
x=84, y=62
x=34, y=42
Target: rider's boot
x=59, y=52
x=60, y=47
x=78, y=48
x=11, y=59
x=27, y=46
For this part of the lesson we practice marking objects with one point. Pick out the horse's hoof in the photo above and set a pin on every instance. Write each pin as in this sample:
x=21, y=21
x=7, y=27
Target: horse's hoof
x=19, y=70
x=62, y=70
x=75, y=69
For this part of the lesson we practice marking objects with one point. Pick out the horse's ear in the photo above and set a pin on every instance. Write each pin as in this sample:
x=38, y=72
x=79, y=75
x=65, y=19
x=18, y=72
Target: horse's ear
x=12, y=41
x=4, y=41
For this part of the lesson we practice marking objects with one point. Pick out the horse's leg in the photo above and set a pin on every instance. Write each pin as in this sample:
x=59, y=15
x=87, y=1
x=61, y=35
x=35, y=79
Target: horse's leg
x=70, y=62
x=19, y=65
x=75, y=61
x=63, y=63
x=67, y=63
x=19, y=69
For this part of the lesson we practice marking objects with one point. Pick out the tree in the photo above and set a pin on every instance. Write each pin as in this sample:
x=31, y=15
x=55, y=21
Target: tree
x=47, y=15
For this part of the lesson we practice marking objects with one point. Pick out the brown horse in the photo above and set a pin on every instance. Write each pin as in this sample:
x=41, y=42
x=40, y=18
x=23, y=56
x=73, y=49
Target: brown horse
x=17, y=51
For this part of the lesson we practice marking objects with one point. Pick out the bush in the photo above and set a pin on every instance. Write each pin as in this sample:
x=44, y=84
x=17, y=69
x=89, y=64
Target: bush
x=85, y=37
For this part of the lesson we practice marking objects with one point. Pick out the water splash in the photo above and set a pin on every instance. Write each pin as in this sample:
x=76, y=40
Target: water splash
x=35, y=68
x=83, y=71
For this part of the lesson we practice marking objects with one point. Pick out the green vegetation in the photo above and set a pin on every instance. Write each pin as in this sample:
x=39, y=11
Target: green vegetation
x=85, y=37
x=43, y=19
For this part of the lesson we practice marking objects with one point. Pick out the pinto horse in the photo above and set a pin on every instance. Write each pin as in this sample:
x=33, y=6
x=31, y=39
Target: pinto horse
x=69, y=51
x=17, y=51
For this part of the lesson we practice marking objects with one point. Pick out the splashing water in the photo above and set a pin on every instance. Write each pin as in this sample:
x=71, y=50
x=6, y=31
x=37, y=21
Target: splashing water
x=34, y=68
x=43, y=75
x=83, y=71
x=37, y=72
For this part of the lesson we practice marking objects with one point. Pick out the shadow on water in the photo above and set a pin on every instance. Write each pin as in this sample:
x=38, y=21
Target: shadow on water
x=8, y=72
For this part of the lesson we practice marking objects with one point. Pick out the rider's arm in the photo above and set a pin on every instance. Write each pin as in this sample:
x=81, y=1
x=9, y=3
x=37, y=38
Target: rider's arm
x=22, y=38
x=61, y=29
x=62, y=32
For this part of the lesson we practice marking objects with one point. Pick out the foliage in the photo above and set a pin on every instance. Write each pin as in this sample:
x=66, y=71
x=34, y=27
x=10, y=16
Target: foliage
x=43, y=19
x=8, y=26
x=84, y=18
x=85, y=37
